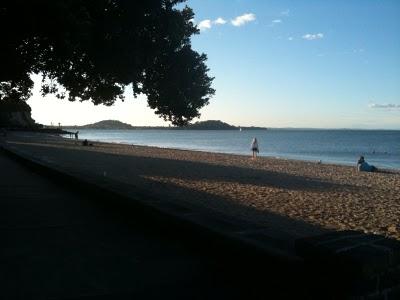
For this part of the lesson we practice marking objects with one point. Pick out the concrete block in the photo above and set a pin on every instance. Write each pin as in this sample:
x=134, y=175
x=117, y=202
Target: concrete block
x=394, y=247
x=390, y=279
x=394, y=293
x=366, y=260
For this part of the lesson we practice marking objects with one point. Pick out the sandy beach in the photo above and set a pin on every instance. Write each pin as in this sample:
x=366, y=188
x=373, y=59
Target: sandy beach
x=325, y=196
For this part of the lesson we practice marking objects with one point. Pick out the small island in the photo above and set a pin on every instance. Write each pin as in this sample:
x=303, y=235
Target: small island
x=201, y=125
x=105, y=124
x=210, y=125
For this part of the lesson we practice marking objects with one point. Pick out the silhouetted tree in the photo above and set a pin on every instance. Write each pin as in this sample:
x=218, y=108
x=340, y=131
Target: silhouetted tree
x=92, y=49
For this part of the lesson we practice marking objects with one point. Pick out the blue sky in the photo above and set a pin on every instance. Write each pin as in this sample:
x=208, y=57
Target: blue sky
x=321, y=64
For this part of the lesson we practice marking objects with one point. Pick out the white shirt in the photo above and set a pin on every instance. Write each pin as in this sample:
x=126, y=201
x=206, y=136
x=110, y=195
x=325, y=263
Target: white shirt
x=254, y=144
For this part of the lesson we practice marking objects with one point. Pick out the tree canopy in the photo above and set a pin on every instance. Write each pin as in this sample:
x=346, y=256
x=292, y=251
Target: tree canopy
x=93, y=49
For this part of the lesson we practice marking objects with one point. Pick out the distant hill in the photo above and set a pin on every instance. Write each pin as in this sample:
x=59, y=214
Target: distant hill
x=106, y=124
x=211, y=125
x=201, y=125
x=252, y=128
x=218, y=125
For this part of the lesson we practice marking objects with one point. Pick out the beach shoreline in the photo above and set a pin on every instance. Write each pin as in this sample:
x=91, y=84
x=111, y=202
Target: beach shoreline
x=337, y=147
x=273, y=157
x=325, y=196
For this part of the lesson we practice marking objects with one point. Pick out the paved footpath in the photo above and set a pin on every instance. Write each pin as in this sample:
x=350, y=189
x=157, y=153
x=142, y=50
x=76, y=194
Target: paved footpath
x=84, y=233
x=58, y=244
x=130, y=176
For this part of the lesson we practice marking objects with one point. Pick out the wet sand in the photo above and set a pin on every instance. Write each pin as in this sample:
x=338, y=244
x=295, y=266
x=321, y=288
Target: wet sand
x=326, y=196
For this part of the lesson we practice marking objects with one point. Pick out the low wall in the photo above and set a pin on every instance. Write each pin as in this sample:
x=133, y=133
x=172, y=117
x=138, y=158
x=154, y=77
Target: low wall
x=353, y=265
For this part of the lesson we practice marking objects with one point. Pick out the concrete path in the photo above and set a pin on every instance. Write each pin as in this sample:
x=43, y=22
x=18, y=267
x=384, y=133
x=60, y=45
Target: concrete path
x=128, y=176
x=58, y=244
x=77, y=234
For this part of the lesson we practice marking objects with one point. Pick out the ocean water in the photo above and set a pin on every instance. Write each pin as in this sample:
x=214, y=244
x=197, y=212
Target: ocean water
x=380, y=147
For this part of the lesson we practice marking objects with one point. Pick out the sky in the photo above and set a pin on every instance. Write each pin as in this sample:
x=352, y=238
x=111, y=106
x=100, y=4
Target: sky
x=281, y=63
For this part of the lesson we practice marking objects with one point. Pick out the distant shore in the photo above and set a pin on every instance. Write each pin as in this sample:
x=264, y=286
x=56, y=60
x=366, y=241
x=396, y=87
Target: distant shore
x=202, y=125
x=325, y=196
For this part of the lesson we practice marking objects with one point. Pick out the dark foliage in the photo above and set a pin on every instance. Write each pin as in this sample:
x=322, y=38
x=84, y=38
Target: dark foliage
x=12, y=105
x=92, y=49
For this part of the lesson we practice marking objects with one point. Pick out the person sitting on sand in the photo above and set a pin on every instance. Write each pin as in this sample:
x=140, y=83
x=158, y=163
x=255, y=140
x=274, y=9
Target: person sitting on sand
x=363, y=166
x=254, y=147
x=86, y=143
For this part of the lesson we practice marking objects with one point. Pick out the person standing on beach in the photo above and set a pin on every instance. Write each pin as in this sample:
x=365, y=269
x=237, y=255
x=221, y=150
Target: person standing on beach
x=254, y=147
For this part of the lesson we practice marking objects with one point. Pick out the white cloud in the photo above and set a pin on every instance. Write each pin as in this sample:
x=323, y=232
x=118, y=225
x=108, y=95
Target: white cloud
x=204, y=25
x=290, y=38
x=285, y=13
x=275, y=22
x=361, y=50
x=219, y=21
x=238, y=21
x=313, y=36
x=243, y=19
x=390, y=106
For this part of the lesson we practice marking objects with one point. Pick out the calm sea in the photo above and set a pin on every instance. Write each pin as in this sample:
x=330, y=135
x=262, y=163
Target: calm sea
x=380, y=147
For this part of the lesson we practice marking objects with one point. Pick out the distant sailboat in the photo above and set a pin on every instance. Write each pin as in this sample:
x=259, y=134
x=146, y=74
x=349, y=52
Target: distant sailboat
x=240, y=128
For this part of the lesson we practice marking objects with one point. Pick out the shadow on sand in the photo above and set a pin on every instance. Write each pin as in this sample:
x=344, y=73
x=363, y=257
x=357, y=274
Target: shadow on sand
x=325, y=271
